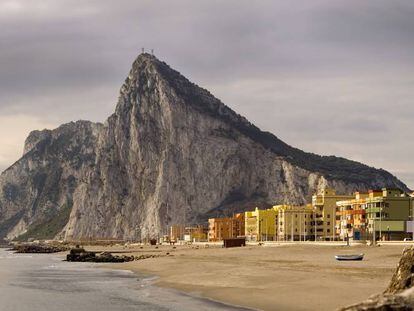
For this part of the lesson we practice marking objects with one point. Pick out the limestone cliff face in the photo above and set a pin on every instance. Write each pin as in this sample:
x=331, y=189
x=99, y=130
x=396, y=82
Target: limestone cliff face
x=36, y=192
x=171, y=153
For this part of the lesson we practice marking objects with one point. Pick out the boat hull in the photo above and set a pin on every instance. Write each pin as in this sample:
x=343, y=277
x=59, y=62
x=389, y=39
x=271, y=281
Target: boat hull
x=349, y=257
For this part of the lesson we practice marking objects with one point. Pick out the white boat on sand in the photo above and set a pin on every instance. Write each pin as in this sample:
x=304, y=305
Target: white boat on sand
x=349, y=257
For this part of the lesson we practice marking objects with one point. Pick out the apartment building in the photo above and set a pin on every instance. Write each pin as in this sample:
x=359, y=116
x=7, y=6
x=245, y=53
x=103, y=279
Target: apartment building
x=351, y=218
x=281, y=223
x=260, y=225
x=324, y=204
x=196, y=233
x=378, y=214
x=295, y=223
x=387, y=213
x=227, y=227
x=177, y=232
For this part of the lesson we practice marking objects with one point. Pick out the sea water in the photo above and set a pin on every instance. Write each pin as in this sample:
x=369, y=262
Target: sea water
x=30, y=282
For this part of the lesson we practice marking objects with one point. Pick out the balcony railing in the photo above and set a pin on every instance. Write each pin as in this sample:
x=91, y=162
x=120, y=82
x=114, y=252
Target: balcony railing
x=373, y=210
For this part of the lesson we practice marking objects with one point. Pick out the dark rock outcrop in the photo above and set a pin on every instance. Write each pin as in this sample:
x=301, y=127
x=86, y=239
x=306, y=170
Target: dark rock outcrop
x=171, y=153
x=81, y=255
x=399, y=295
x=34, y=248
x=403, y=277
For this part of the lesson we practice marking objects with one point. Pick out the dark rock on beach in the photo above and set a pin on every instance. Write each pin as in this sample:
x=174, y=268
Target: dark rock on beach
x=399, y=294
x=81, y=255
x=403, y=277
x=38, y=248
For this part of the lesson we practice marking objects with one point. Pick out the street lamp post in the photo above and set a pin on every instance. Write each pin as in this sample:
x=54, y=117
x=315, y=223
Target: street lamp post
x=380, y=228
x=412, y=217
x=374, y=240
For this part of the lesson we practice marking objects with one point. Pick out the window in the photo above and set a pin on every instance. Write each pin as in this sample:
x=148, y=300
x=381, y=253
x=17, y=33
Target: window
x=328, y=223
x=329, y=216
x=329, y=230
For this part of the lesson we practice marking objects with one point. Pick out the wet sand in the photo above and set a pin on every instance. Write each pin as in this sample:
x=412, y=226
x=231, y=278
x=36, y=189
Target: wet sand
x=284, y=277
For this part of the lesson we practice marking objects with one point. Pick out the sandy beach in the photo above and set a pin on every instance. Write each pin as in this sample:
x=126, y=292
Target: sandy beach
x=282, y=277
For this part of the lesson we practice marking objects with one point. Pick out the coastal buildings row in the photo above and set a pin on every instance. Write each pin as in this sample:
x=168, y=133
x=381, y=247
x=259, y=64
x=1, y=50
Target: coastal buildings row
x=385, y=214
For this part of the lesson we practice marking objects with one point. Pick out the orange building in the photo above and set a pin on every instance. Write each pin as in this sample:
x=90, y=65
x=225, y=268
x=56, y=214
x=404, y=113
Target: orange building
x=224, y=228
x=177, y=233
x=351, y=218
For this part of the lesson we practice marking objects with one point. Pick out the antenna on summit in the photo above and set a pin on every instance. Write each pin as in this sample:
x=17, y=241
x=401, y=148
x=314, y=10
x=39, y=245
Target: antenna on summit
x=143, y=50
x=152, y=52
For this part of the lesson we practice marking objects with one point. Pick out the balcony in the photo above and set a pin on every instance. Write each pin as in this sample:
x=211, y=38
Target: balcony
x=373, y=210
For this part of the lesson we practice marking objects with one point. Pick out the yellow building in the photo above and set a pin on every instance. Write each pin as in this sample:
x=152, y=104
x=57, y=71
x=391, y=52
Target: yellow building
x=260, y=225
x=280, y=223
x=324, y=204
x=295, y=223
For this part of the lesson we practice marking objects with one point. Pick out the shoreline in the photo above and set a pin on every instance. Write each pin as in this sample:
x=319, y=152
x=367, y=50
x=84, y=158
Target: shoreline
x=286, y=277
x=277, y=276
x=47, y=280
x=154, y=281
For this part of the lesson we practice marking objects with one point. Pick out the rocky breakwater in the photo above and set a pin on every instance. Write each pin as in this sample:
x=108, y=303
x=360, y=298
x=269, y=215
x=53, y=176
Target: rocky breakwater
x=38, y=248
x=399, y=294
x=81, y=255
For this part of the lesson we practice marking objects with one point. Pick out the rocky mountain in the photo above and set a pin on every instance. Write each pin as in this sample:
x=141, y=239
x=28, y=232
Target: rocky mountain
x=171, y=153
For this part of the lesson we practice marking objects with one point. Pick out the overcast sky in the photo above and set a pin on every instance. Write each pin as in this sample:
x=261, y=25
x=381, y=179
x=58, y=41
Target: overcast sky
x=331, y=77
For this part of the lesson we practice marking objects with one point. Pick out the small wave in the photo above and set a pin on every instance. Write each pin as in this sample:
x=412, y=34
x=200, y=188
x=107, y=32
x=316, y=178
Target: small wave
x=14, y=257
